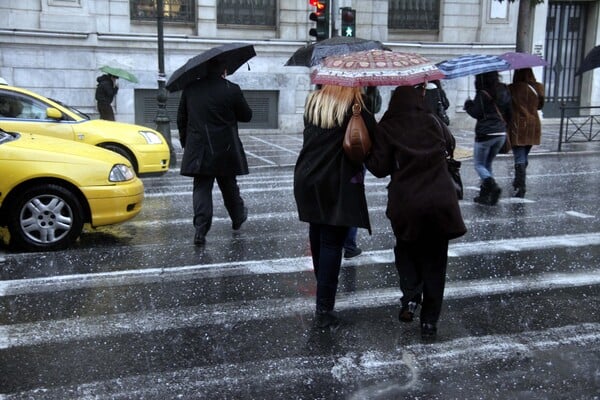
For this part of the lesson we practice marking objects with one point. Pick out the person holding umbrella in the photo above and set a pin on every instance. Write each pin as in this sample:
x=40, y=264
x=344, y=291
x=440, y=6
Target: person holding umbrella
x=106, y=90
x=526, y=131
x=492, y=109
x=410, y=146
x=209, y=111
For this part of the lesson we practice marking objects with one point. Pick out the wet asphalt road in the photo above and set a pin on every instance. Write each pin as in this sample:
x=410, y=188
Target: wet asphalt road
x=136, y=311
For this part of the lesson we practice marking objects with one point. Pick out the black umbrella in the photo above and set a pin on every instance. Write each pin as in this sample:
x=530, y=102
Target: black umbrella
x=233, y=55
x=591, y=61
x=311, y=55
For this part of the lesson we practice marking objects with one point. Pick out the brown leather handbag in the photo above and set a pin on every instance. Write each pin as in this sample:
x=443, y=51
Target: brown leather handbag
x=357, y=142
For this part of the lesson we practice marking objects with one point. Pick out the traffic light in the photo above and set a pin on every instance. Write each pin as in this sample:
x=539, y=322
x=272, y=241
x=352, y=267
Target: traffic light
x=348, y=21
x=321, y=17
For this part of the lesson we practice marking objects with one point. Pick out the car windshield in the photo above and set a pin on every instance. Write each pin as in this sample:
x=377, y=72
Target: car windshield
x=7, y=136
x=72, y=109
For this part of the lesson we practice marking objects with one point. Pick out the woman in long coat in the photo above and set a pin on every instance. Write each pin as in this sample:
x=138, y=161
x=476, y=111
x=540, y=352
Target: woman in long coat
x=329, y=188
x=411, y=145
x=526, y=129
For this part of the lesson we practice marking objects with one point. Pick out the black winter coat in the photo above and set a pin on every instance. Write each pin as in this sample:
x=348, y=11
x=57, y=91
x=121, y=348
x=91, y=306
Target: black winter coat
x=411, y=145
x=207, y=119
x=492, y=115
x=329, y=188
x=106, y=90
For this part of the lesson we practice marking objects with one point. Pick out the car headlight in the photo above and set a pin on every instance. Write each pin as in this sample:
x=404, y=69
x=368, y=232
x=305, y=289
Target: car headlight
x=151, y=137
x=120, y=173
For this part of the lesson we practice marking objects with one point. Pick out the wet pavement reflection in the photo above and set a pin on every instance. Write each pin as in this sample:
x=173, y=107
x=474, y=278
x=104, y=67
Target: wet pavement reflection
x=136, y=311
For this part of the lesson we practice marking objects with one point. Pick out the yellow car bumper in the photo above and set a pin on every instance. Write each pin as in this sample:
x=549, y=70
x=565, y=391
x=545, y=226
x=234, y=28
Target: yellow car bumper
x=153, y=159
x=109, y=206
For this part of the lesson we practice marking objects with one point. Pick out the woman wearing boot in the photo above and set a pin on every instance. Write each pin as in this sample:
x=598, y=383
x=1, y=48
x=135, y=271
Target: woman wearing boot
x=492, y=109
x=526, y=129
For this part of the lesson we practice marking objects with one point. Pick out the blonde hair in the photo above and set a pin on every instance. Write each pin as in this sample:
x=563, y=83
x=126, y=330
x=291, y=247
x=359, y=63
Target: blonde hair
x=328, y=107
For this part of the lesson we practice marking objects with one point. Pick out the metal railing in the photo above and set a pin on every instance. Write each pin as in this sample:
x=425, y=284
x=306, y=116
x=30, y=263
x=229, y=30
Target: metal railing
x=580, y=128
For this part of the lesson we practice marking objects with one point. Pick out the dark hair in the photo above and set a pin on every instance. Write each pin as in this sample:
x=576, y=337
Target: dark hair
x=488, y=81
x=215, y=67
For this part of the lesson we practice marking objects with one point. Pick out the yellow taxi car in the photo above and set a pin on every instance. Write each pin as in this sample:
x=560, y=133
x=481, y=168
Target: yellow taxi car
x=51, y=187
x=27, y=112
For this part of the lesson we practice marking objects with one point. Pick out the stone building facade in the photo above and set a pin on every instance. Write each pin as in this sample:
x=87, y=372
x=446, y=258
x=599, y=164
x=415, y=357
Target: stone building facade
x=55, y=47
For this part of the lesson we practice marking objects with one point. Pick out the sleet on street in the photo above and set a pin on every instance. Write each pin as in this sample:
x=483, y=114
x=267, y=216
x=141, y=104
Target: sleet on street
x=136, y=311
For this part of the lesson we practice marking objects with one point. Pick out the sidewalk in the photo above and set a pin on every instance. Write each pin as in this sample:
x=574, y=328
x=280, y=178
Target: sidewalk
x=282, y=149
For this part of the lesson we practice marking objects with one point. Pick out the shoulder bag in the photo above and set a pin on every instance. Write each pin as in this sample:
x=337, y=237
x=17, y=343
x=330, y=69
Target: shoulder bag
x=453, y=167
x=357, y=142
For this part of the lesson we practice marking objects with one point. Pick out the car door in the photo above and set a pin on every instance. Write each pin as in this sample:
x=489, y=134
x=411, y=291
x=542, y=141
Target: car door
x=26, y=114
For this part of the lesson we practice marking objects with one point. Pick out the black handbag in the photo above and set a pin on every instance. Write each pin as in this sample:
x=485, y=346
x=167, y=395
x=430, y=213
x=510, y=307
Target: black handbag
x=454, y=170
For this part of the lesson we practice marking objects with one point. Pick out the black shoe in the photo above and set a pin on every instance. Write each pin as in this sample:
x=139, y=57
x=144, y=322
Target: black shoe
x=199, y=239
x=428, y=331
x=352, y=253
x=407, y=312
x=238, y=224
x=325, y=319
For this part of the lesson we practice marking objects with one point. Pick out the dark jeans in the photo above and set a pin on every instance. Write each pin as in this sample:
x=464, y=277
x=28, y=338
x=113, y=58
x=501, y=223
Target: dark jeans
x=350, y=242
x=326, y=244
x=421, y=267
x=106, y=111
x=203, y=202
x=521, y=154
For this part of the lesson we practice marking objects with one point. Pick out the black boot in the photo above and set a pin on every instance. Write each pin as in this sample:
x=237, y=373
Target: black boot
x=484, y=195
x=519, y=182
x=494, y=190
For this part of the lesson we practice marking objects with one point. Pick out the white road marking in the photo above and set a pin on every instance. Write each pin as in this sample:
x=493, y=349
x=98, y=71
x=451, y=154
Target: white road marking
x=144, y=322
x=277, y=265
x=578, y=214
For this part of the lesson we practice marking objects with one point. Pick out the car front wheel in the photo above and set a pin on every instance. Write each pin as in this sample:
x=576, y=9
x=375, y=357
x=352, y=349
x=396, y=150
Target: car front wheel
x=46, y=217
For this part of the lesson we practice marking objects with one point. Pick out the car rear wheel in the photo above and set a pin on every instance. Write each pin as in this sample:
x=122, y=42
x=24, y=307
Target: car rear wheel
x=47, y=217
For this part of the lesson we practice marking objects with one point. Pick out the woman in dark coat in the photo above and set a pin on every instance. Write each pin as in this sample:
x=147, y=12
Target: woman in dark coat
x=492, y=109
x=411, y=145
x=526, y=129
x=105, y=93
x=329, y=188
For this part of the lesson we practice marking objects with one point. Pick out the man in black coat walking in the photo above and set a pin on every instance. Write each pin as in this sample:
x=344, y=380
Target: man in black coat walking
x=207, y=119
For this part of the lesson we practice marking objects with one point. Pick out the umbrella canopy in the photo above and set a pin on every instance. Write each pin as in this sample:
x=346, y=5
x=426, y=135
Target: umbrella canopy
x=311, y=55
x=375, y=68
x=518, y=60
x=591, y=61
x=472, y=64
x=233, y=55
x=121, y=73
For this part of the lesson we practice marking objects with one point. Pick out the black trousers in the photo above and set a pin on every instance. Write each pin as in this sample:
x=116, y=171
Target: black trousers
x=203, y=202
x=326, y=245
x=106, y=111
x=421, y=268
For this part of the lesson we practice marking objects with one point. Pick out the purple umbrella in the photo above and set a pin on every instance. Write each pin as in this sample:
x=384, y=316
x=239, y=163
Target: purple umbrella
x=523, y=60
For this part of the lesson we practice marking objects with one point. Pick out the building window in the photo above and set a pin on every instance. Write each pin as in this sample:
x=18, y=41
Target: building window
x=174, y=10
x=410, y=14
x=247, y=12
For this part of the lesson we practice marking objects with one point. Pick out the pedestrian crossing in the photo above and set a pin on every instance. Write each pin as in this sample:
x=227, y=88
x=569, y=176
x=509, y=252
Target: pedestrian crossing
x=153, y=317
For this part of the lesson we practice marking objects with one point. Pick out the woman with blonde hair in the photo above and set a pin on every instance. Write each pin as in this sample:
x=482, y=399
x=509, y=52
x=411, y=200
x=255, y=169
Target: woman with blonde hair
x=329, y=187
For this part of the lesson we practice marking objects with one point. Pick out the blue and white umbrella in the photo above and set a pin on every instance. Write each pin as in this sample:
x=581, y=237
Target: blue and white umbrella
x=472, y=64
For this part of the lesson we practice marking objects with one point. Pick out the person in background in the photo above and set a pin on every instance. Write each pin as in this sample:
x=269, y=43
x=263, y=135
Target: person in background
x=329, y=188
x=410, y=146
x=436, y=100
x=106, y=90
x=526, y=130
x=372, y=99
x=207, y=119
x=492, y=109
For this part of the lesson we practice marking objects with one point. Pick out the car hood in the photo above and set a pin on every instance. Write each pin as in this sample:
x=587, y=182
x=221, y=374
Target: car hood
x=99, y=127
x=43, y=148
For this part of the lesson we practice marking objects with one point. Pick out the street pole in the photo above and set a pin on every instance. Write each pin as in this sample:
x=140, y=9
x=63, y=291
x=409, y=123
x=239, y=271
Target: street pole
x=163, y=124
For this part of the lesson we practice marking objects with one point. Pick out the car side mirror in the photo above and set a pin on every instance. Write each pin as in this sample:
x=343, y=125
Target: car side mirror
x=53, y=113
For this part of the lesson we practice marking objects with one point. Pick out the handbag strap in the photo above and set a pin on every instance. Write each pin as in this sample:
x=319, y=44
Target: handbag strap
x=495, y=105
x=449, y=155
